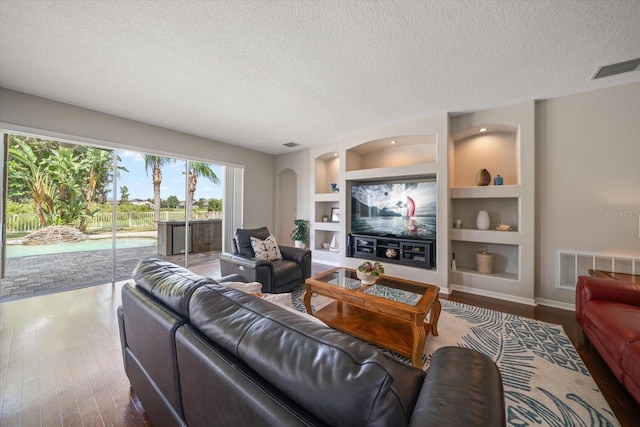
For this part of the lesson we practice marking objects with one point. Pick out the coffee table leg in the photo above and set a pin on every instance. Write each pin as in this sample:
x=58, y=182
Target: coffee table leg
x=434, y=316
x=419, y=340
x=307, y=300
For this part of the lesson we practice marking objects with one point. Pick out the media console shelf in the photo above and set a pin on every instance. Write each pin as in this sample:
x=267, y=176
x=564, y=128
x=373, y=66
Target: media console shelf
x=411, y=252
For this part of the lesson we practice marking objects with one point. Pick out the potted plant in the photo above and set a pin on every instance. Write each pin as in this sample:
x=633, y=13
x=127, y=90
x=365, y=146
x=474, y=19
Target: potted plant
x=299, y=234
x=369, y=272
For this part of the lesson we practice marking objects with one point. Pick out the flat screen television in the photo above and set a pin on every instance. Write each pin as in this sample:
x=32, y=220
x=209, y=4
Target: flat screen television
x=395, y=208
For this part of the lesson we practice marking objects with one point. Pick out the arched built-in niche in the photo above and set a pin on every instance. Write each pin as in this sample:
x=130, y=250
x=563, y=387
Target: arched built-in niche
x=286, y=205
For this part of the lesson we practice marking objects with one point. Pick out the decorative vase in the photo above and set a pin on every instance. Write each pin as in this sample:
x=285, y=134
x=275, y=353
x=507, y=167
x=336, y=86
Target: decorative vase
x=498, y=180
x=483, y=177
x=366, y=279
x=482, y=221
x=484, y=260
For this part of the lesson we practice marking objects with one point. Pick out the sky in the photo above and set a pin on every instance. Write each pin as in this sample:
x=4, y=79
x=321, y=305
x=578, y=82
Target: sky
x=140, y=184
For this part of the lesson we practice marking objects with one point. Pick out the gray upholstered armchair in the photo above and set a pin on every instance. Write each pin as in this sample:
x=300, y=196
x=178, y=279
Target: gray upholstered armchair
x=282, y=275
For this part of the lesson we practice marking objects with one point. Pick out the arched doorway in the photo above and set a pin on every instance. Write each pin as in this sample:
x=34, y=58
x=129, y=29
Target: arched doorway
x=287, y=205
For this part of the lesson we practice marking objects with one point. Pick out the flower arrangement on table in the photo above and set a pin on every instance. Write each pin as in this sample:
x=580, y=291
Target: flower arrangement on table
x=369, y=272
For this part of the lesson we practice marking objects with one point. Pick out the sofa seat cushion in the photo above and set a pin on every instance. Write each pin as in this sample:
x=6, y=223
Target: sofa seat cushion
x=286, y=271
x=618, y=324
x=335, y=377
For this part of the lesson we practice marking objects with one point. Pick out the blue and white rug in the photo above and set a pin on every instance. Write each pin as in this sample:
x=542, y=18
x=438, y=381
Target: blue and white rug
x=545, y=381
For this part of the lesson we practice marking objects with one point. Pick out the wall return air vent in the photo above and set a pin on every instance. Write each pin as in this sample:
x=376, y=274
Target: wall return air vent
x=619, y=68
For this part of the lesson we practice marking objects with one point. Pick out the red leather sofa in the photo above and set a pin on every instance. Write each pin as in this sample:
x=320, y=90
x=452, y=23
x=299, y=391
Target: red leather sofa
x=609, y=313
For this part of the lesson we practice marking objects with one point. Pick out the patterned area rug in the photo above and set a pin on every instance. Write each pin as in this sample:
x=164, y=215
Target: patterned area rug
x=545, y=381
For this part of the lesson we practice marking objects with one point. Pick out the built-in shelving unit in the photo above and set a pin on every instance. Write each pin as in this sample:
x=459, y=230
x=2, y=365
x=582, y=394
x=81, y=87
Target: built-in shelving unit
x=505, y=149
x=324, y=228
x=394, y=158
x=449, y=150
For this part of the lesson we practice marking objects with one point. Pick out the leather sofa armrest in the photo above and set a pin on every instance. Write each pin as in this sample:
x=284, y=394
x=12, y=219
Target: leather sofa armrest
x=243, y=260
x=294, y=254
x=300, y=256
x=455, y=396
x=595, y=288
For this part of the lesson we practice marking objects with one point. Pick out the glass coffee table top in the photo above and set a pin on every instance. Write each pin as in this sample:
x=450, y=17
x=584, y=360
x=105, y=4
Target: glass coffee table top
x=385, y=287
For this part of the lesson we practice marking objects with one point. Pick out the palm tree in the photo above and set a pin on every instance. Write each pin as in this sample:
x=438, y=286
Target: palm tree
x=24, y=167
x=196, y=170
x=155, y=163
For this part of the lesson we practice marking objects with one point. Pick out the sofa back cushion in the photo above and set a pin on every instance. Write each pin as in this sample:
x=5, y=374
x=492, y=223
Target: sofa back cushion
x=217, y=389
x=168, y=283
x=243, y=239
x=335, y=377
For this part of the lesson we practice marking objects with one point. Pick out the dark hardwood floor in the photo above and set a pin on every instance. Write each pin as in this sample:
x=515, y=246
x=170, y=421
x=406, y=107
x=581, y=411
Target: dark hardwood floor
x=61, y=365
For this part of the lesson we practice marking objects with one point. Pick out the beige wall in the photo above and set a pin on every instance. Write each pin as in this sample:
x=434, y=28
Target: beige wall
x=289, y=207
x=587, y=178
x=19, y=111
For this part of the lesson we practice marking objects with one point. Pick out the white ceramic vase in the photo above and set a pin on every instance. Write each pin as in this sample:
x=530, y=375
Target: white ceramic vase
x=482, y=221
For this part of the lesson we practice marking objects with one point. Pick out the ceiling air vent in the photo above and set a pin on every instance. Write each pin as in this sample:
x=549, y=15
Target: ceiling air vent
x=619, y=68
x=291, y=144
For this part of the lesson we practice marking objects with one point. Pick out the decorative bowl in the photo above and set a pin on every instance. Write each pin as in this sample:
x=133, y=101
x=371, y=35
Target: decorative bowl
x=366, y=279
x=326, y=245
x=391, y=253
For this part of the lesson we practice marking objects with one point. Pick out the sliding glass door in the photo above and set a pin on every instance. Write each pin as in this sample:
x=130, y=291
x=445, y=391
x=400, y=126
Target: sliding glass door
x=76, y=215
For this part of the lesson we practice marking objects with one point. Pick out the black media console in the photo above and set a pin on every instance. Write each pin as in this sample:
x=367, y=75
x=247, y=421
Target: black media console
x=406, y=251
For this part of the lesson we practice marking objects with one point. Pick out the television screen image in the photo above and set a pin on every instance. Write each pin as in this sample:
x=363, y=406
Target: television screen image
x=400, y=209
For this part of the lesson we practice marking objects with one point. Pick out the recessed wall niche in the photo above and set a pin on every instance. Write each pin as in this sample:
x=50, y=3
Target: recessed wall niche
x=495, y=151
x=327, y=172
x=407, y=150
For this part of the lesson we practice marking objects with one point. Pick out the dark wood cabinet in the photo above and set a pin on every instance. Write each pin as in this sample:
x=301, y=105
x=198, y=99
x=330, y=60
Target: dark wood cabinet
x=405, y=251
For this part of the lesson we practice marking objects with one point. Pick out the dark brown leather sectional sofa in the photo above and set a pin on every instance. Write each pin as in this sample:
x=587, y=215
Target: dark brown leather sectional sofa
x=201, y=354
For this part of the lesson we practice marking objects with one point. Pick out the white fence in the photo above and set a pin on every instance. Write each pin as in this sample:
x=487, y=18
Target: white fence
x=101, y=221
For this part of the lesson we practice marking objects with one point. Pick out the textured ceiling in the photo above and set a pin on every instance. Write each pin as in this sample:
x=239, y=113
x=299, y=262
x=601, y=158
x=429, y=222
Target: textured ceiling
x=262, y=73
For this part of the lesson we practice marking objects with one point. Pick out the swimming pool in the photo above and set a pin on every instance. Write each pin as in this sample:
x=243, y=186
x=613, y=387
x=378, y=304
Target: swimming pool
x=16, y=251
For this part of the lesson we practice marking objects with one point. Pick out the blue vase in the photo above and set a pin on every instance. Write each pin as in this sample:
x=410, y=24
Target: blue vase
x=498, y=180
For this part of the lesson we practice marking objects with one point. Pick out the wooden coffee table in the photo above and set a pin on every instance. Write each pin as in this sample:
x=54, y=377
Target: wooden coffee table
x=390, y=313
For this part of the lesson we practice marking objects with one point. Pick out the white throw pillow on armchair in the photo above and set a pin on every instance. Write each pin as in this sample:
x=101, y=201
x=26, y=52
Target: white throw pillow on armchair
x=266, y=249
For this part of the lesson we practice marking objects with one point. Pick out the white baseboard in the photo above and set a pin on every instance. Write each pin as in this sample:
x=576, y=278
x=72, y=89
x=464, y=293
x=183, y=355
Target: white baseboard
x=556, y=304
x=325, y=262
x=497, y=295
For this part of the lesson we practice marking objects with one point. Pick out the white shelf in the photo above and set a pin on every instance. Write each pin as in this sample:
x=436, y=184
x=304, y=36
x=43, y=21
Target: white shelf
x=327, y=226
x=327, y=197
x=461, y=273
x=488, y=236
x=488, y=191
